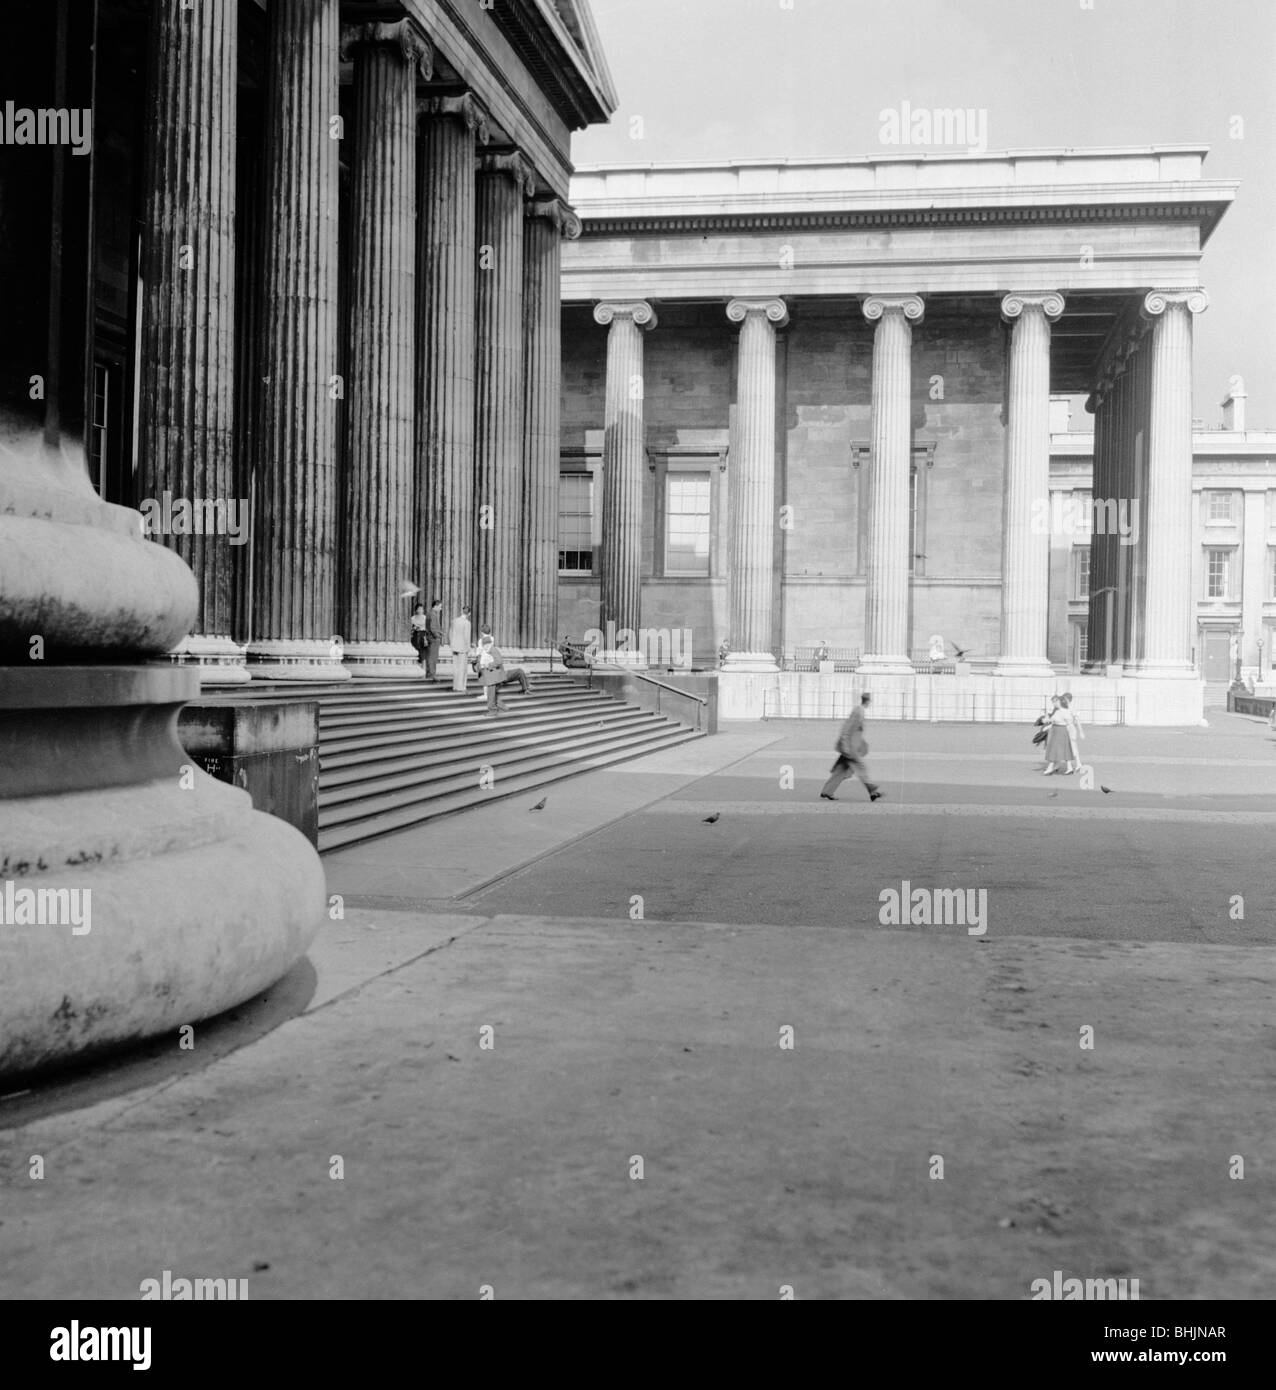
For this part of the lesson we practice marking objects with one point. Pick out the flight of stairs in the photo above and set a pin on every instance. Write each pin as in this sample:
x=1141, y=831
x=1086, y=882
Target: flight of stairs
x=395, y=753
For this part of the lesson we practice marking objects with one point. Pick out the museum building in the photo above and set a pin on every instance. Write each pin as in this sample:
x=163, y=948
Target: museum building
x=807, y=404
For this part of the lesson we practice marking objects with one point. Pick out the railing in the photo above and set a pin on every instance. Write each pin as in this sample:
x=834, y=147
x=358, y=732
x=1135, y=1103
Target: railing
x=699, y=701
x=937, y=703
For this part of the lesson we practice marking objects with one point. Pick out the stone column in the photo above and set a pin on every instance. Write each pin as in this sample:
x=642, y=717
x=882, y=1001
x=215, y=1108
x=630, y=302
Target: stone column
x=504, y=181
x=379, y=392
x=624, y=455
x=1025, y=543
x=186, y=401
x=168, y=897
x=1167, y=615
x=752, y=485
x=886, y=612
x=548, y=222
x=443, y=548
x=294, y=588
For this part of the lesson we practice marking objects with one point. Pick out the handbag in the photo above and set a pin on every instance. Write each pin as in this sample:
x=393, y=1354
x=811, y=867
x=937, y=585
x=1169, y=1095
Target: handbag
x=1039, y=736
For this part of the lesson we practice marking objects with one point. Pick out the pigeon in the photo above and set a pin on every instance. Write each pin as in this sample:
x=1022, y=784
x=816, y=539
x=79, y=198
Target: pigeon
x=408, y=590
x=540, y=805
x=1052, y=793
x=1107, y=790
x=709, y=820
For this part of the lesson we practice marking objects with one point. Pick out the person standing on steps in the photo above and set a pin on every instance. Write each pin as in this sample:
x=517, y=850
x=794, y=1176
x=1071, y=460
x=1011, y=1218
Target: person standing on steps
x=851, y=750
x=459, y=640
x=433, y=639
x=420, y=623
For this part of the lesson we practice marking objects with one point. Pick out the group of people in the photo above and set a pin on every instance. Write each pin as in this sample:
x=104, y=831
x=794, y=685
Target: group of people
x=481, y=655
x=1057, y=727
x=1063, y=735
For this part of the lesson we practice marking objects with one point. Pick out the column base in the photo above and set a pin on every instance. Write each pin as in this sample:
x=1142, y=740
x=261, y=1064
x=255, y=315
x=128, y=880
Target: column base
x=875, y=665
x=220, y=661
x=296, y=661
x=382, y=661
x=1023, y=666
x=750, y=661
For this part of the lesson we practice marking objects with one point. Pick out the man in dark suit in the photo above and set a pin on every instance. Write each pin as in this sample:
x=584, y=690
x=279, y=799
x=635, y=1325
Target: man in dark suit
x=433, y=637
x=851, y=749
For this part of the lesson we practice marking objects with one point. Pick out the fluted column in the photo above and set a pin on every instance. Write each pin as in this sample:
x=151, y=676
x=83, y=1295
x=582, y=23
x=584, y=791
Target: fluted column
x=1025, y=547
x=186, y=400
x=886, y=610
x=1167, y=615
x=548, y=222
x=752, y=484
x=504, y=180
x=294, y=586
x=379, y=480
x=624, y=445
x=445, y=519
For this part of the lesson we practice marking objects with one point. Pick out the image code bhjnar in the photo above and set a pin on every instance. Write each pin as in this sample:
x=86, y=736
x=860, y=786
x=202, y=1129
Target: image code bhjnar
x=636, y=650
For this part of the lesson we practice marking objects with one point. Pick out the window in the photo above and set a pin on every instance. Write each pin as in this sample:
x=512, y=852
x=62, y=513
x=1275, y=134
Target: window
x=1220, y=507
x=575, y=523
x=1083, y=644
x=687, y=523
x=1218, y=573
x=1082, y=517
x=1080, y=571
x=1271, y=572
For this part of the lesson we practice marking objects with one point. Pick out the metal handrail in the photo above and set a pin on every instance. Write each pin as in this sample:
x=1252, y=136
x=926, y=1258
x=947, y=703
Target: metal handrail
x=700, y=700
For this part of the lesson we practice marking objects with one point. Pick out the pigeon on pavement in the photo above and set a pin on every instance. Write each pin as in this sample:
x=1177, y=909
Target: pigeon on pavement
x=540, y=805
x=709, y=820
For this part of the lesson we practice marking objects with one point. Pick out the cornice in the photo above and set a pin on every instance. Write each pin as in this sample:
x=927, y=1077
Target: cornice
x=599, y=223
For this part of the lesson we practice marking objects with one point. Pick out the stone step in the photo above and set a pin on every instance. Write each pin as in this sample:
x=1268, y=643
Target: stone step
x=368, y=781
x=482, y=732
x=409, y=813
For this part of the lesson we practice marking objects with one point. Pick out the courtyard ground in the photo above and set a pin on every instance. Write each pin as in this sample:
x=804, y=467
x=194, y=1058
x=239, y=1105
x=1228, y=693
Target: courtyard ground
x=610, y=1050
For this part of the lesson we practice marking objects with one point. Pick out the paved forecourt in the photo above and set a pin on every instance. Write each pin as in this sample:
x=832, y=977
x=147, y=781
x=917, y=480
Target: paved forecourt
x=1176, y=826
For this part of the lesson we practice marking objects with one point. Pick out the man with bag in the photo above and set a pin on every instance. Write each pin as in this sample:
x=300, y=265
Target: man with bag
x=851, y=750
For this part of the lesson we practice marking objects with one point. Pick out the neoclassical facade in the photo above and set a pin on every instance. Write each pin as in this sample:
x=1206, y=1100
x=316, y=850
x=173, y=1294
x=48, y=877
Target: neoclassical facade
x=808, y=402
x=279, y=285
x=326, y=267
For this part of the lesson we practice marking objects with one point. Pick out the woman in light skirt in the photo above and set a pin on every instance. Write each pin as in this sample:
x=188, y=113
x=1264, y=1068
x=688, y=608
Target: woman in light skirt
x=1062, y=738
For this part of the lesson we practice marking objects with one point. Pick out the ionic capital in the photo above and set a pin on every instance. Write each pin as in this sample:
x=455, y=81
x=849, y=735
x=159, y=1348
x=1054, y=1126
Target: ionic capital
x=1050, y=303
x=910, y=305
x=1157, y=302
x=638, y=310
x=463, y=107
x=558, y=212
x=400, y=34
x=514, y=166
x=776, y=311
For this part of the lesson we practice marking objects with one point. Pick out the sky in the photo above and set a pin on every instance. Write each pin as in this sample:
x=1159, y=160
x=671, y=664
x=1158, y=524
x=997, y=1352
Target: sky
x=741, y=79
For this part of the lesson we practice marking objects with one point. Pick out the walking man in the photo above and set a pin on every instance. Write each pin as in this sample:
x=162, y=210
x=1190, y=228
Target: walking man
x=433, y=638
x=459, y=640
x=851, y=750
